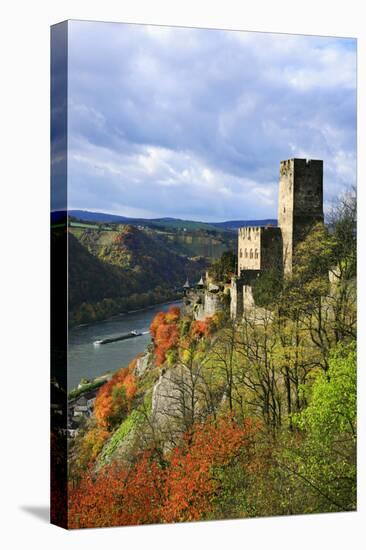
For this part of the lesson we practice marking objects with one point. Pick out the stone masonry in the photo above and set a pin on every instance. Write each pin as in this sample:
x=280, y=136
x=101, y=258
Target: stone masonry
x=300, y=206
x=300, y=203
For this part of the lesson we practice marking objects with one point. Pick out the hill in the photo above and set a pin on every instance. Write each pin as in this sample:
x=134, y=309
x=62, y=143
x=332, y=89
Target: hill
x=235, y=224
x=168, y=223
x=114, y=271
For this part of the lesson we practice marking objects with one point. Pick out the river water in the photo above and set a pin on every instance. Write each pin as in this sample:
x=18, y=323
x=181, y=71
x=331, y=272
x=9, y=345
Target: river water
x=86, y=360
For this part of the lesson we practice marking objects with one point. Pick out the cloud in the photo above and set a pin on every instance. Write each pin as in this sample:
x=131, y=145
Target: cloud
x=193, y=123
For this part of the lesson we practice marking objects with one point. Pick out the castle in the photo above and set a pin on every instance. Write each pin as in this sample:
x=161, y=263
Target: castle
x=300, y=206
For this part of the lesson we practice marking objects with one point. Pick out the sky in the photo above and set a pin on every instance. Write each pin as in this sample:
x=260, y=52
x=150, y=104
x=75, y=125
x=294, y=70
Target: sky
x=193, y=123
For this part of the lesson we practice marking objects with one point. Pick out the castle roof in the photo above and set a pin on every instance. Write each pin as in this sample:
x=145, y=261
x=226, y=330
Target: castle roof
x=186, y=284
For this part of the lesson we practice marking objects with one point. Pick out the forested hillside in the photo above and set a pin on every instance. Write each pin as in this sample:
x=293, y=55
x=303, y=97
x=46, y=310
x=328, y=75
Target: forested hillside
x=126, y=269
x=222, y=419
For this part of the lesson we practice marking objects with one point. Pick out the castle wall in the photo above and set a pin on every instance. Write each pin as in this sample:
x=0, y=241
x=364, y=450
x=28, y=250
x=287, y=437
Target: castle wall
x=213, y=304
x=259, y=248
x=202, y=303
x=248, y=299
x=249, y=243
x=300, y=206
x=236, y=298
x=271, y=248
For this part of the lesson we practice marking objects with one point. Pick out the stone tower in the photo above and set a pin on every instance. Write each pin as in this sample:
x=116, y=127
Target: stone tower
x=300, y=203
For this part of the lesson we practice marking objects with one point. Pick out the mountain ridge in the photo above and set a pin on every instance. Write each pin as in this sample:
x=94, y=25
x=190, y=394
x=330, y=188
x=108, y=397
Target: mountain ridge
x=102, y=217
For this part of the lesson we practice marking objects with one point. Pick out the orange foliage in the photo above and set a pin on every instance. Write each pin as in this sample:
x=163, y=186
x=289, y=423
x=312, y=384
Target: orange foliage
x=190, y=484
x=117, y=496
x=114, y=398
x=202, y=328
x=181, y=490
x=172, y=315
x=167, y=337
x=91, y=446
x=165, y=333
x=130, y=386
x=158, y=320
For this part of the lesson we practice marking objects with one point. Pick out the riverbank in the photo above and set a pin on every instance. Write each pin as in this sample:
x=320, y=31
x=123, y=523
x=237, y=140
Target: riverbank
x=108, y=309
x=88, y=361
x=124, y=313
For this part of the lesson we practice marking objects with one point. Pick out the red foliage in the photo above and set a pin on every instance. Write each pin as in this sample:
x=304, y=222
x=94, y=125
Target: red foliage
x=172, y=315
x=130, y=387
x=165, y=333
x=158, y=320
x=117, y=496
x=115, y=396
x=167, y=337
x=91, y=445
x=182, y=490
x=190, y=484
x=202, y=328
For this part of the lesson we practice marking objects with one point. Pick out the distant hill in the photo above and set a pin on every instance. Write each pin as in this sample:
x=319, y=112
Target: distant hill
x=155, y=223
x=123, y=270
x=172, y=223
x=100, y=217
x=90, y=279
x=235, y=224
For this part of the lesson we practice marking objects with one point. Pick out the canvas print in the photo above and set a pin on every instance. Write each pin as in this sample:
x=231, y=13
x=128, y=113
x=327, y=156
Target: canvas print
x=203, y=235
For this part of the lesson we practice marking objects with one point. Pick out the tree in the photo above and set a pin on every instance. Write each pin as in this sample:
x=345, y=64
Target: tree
x=183, y=487
x=114, y=398
x=165, y=333
x=258, y=372
x=192, y=479
x=224, y=267
x=223, y=358
x=267, y=287
x=325, y=461
x=343, y=227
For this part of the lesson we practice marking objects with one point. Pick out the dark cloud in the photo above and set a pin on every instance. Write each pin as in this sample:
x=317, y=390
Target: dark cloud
x=193, y=123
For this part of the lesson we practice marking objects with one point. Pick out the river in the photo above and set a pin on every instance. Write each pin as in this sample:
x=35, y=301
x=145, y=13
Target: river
x=85, y=360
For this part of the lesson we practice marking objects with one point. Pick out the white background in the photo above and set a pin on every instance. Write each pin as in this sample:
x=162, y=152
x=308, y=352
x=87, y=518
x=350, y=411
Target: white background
x=24, y=251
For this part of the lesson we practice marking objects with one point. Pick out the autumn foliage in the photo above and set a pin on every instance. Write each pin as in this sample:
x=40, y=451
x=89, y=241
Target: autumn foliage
x=114, y=398
x=90, y=447
x=166, y=333
x=164, y=330
x=202, y=328
x=181, y=488
x=190, y=483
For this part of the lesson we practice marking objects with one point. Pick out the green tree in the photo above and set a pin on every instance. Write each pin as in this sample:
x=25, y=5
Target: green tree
x=224, y=267
x=325, y=460
x=343, y=227
x=267, y=288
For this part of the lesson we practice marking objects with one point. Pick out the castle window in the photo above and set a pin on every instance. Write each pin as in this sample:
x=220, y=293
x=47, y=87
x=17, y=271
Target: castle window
x=256, y=254
x=246, y=252
x=241, y=253
x=251, y=253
